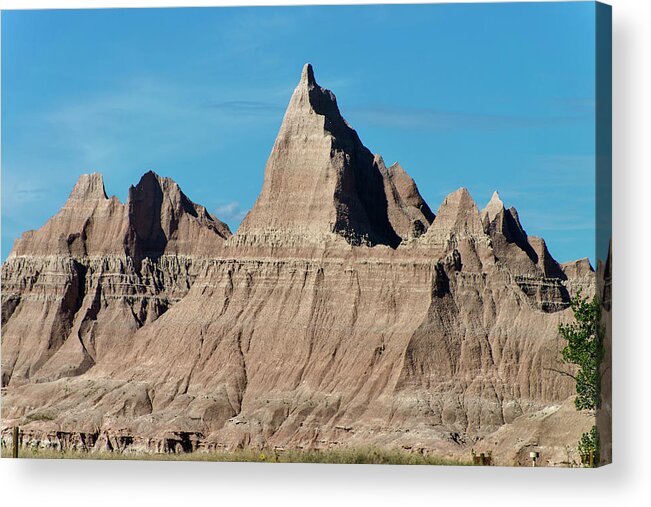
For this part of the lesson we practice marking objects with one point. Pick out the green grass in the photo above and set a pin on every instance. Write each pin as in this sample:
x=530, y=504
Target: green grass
x=341, y=456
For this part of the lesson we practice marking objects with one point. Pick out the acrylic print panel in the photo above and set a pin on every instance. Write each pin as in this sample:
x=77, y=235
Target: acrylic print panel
x=203, y=260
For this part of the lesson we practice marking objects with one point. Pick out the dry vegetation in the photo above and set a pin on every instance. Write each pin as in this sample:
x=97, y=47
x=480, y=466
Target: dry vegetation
x=341, y=456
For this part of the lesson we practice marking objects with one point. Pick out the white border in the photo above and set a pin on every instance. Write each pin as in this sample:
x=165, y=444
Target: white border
x=626, y=482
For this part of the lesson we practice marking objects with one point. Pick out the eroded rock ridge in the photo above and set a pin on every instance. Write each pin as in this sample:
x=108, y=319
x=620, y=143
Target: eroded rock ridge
x=342, y=312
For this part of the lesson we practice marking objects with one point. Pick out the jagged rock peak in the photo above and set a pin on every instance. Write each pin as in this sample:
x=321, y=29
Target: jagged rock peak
x=89, y=223
x=157, y=218
x=516, y=218
x=396, y=168
x=497, y=219
x=460, y=195
x=313, y=109
x=89, y=186
x=321, y=184
x=153, y=177
x=456, y=219
x=494, y=206
x=152, y=186
x=408, y=212
x=159, y=212
x=459, y=209
x=408, y=190
x=578, y=268
x=307, y=76
x=152, y=182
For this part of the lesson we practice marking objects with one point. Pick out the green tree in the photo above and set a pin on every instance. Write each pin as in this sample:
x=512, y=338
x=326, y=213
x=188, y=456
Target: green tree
x=585, y=350
x=589, y=447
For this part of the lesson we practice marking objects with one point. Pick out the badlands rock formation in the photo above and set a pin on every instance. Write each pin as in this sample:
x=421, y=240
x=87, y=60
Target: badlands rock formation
x=342, y=312
x=97, y=271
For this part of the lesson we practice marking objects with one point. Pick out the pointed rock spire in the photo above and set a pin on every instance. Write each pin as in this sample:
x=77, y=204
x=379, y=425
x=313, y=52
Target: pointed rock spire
x=162, y=219
x=458, y=214
x=408, y=190
x=321, y=184
x=409, y=214
x=457, y=233
x=157, y=218
x=516, y=218
x=88, y=223
x=307, y=76
x=494, y=206
x=512, y=246
x=546, y=262
x=89, y=186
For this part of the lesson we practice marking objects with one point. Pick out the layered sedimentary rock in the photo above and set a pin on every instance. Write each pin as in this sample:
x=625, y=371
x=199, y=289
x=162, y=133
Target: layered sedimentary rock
x=80, y=286
x=321, y=183
x=580, y=277
x=409, y=214
x=163, y=221
x=342, y=312
x=88, y=222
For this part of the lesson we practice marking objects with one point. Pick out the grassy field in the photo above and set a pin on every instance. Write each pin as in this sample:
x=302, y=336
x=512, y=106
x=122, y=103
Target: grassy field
x=341, y=456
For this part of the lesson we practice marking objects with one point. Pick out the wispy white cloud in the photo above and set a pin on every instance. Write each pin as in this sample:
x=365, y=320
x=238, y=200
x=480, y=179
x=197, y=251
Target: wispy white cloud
x=423, y=118
x=17, y=194
x=167, y=119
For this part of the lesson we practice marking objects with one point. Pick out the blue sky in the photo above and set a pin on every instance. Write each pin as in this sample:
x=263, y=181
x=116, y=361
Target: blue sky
x=486, y=96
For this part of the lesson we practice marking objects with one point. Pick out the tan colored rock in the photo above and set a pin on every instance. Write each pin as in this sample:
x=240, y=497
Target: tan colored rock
x=327, y=320
x=580, y=277
x=409, y=214
x=321, y=183
x=457, y=234
x=578, y=269
x=80, y=286
x=552, y=432
x=163, y=220
x=458, y=216
x=512, y=246
x=493, y=208
x=89, y=223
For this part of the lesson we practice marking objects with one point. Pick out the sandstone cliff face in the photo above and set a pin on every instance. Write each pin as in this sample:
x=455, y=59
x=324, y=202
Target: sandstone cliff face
x=81, y=285
x=88, y=222
x=163, y=221
x=409, y=214
x=342, y=312
x=321, y=183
